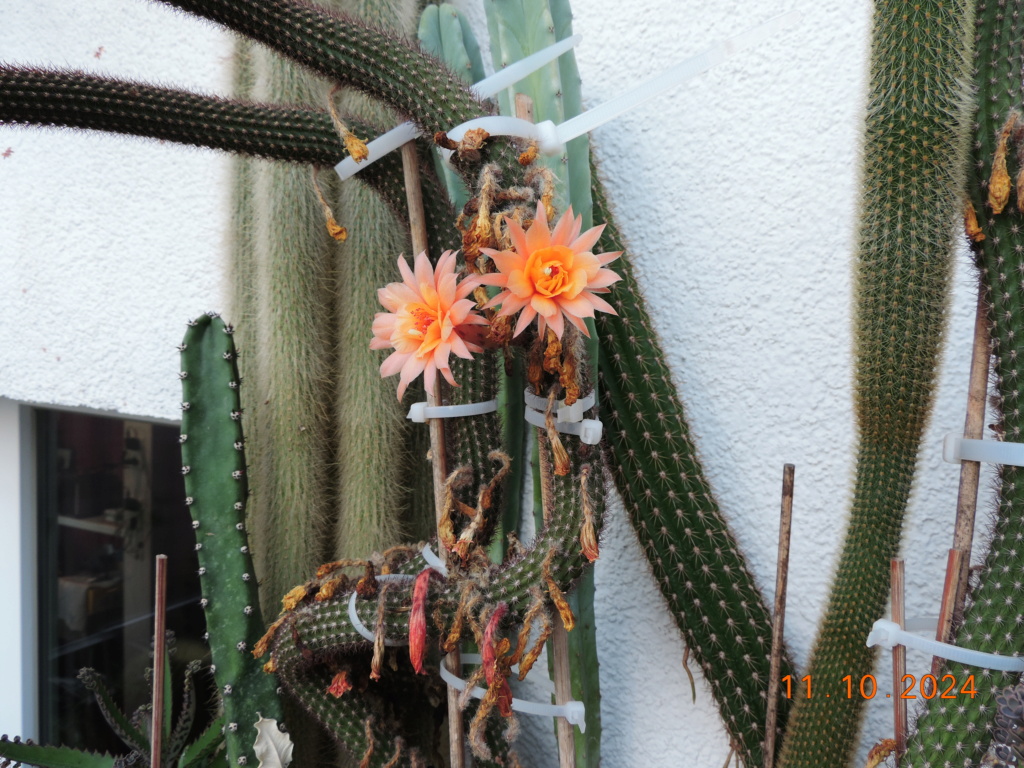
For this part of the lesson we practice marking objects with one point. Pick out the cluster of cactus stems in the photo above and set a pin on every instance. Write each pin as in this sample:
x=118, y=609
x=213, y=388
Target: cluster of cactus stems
x=960, y=731
x=693, y=553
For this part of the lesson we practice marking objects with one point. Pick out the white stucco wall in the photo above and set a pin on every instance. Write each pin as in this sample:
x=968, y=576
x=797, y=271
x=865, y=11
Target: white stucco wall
x=736, y=192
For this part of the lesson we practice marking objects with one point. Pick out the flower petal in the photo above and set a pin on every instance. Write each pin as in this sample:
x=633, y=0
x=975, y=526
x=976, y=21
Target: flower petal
x=588, y=239
x=538, y=235
x=556, y=323
x=563, y=229
x=393, y=364
x=525, y=319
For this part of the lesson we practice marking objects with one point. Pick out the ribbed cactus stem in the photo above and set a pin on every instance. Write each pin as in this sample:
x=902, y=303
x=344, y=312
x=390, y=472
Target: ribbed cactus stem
x=216, y=482
x=914, y=156
x=79, y=100
x=959, y=731
x=693, y=553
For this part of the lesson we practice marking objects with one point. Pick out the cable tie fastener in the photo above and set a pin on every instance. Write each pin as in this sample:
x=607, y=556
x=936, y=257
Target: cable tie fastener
x=573, y=711
x=485, y=89
x=433, y=560
x=956, y=449
x=357, y=623
x=420, y=412
x=551, y=139
x=888, y=634
x=563, y=412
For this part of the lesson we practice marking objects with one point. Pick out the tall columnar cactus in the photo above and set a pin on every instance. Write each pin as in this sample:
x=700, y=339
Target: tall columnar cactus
x=289, y=302
x=670, y=479
x=915, y=148
x=959, y=731
x=216, y=480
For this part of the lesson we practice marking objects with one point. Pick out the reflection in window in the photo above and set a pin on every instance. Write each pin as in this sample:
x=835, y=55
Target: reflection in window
x=111, y=497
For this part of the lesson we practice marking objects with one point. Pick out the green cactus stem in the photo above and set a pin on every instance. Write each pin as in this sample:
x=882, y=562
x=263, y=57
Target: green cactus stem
x=377, y=463
x=291, y=389
x=444, y=32
x=216, y=482
x=694, y=555
x=959, y=731
x=79, y=100
x=915, y=152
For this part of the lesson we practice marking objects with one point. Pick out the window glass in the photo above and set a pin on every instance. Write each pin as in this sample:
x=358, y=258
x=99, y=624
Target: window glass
x=111, y=497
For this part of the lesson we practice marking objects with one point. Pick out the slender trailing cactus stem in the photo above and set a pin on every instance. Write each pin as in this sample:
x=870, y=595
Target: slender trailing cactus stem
x=915, y=150
x=660, y=478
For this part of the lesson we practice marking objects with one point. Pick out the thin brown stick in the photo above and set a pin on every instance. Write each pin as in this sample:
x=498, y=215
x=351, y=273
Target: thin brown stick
x=954, y=566
x=159, y=654
x=438, y=454
x=559, y=644
x=899, y=660
x=974, y=426
x=779, y=618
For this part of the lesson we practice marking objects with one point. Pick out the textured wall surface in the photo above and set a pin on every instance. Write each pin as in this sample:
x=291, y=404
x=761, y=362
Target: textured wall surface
x=737, y=193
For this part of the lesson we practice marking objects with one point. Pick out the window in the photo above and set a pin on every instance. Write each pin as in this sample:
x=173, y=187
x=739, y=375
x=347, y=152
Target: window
x=110, y=497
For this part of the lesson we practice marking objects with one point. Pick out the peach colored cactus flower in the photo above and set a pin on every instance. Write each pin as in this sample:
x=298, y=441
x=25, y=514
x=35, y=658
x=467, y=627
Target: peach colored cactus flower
x=428, y=318
x=551, y=274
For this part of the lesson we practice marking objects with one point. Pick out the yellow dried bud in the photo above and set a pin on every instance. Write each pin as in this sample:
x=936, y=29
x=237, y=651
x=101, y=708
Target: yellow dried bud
x=294, y=597
x=999, y=180
x=335, y=230
x=971, y=225
x=356, y=147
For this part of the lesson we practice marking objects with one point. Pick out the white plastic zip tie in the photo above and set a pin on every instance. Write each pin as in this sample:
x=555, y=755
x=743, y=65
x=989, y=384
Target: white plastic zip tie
x=588, y=430
x=956, y=449
x=420, y=412
x=357, y=623
x=888, y=634
x=563, y=412
x=433, y=560
x=551, y=138
x=485, y=89
x=541, y=682
x=573, y=711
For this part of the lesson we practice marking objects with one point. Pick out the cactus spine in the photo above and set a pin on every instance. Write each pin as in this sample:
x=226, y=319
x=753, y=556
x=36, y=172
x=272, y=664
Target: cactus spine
x=959, y=731
x=216, y=483
x=915, y=146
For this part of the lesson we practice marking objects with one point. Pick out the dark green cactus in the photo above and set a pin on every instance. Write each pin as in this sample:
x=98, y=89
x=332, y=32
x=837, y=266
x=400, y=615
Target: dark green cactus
x=915, y=151
x=958, y=731
x=684, y=534
x=216, y=481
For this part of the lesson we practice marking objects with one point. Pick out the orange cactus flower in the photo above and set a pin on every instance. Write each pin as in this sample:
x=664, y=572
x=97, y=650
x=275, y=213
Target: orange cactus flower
x=551, y=274
x=428, y=318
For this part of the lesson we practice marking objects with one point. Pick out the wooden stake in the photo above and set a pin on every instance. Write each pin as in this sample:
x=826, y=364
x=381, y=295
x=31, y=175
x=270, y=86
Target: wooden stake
x=967, y=496
x=899, y=661
x=438, y=454
x=781, y=578
x=954, y=566
x=559, y=642
x=159, y=654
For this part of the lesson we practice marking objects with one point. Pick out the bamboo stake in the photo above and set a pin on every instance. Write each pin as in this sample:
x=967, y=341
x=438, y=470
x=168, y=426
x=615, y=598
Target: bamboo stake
x=559, y=641
x=438, y=454
x=899, y=661
x=781, y=578
x=954, y=567
x=159, y=654
x=967, y=495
